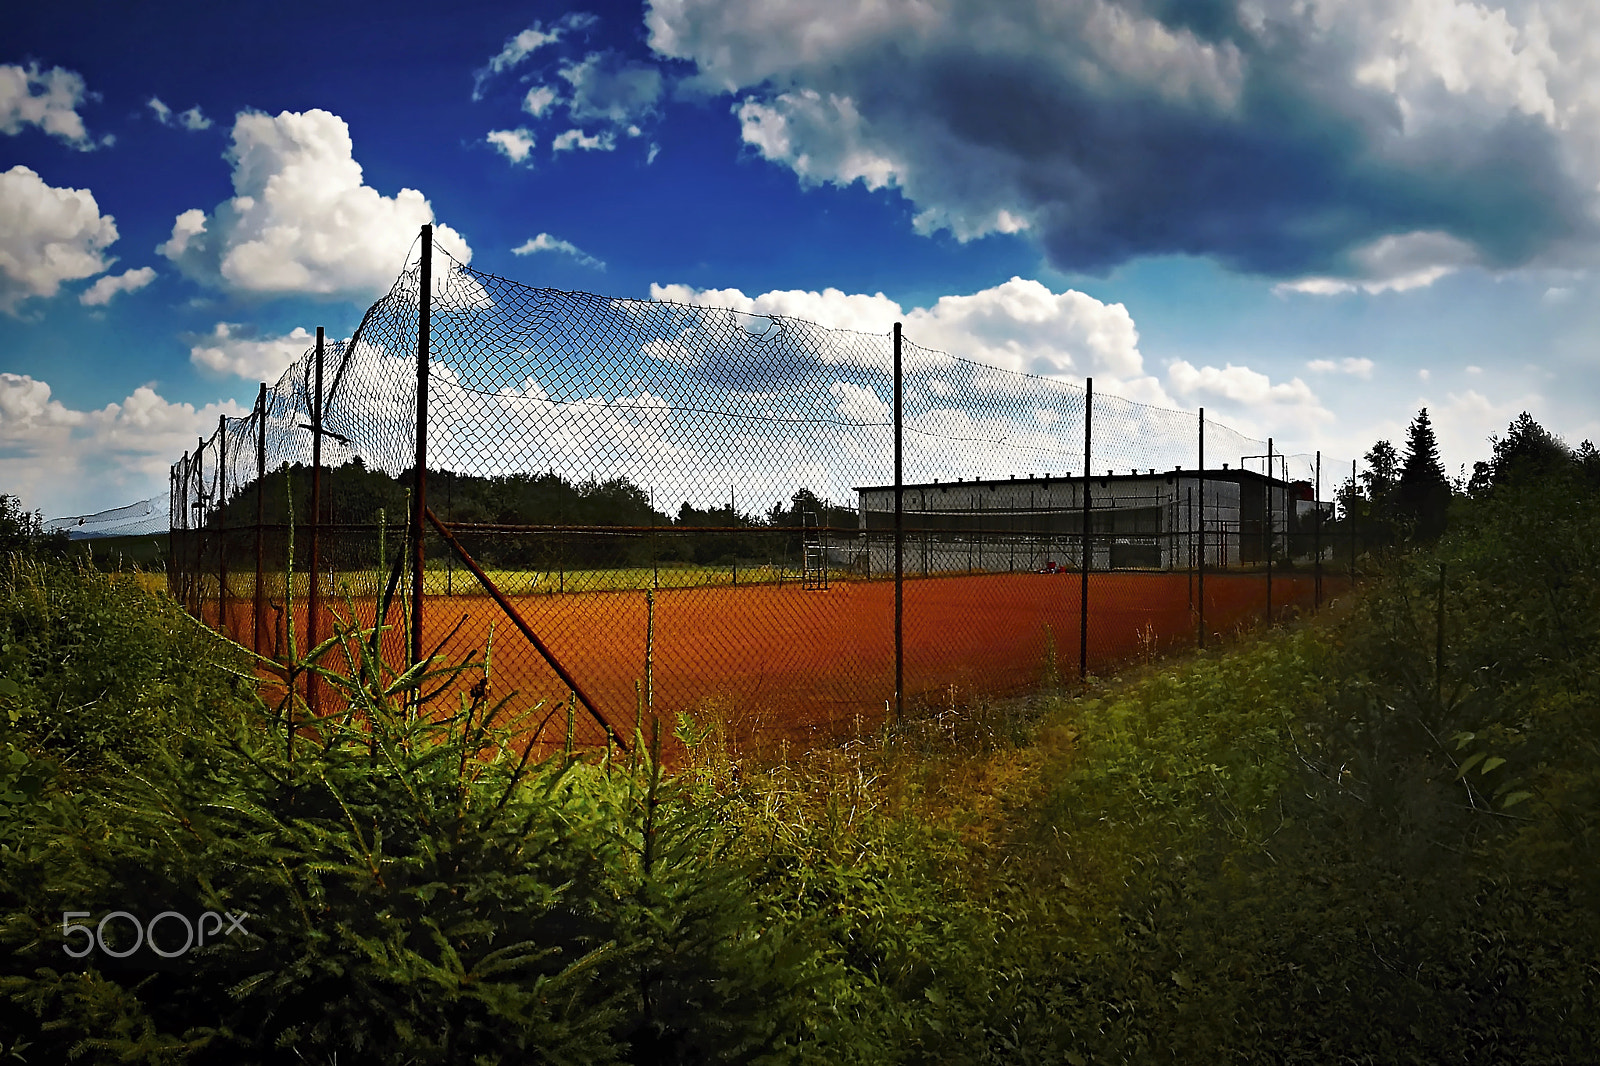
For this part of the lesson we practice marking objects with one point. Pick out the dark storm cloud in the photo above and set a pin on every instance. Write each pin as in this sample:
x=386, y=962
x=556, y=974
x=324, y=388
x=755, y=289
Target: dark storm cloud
x=1269, y=142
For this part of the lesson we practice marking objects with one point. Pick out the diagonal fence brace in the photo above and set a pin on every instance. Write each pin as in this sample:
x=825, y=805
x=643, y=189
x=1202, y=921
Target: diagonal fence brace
x=526, y=630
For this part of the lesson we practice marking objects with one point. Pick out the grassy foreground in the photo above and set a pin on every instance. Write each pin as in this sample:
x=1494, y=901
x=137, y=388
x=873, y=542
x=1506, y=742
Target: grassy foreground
x=1326, y=844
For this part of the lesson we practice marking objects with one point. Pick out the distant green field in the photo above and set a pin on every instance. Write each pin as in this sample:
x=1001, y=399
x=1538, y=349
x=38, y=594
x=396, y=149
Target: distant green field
x=458, y=581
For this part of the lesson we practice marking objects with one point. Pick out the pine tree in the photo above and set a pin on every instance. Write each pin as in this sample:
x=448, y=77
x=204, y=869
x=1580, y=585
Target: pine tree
x=1423, y=490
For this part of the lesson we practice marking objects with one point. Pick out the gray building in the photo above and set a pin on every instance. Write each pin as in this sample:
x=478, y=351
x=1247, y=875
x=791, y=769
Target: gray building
x=1137, y=520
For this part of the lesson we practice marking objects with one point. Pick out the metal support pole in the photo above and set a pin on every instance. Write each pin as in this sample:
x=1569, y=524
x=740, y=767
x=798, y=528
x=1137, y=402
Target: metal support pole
x=1316, y=535
x=1350, y=520
x=314, y=573
x=899, y=542
x=261, y=478
x=1200, y=572
x=1268, y=531
x=199, y=527
x=419, y=497
x=222, y=524
x=1087, y=550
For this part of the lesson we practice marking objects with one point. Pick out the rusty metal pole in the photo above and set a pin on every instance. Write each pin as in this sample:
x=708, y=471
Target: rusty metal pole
x=899, y=541
x=1200, y=572
x=222, y=524
x=199, y=527
x=419, y=497
x=1316, y=537
x=1350, y=520
x=261, y=479
x=314, y=576
x=172, y=530
x=1087, y=550
x=1267, y=532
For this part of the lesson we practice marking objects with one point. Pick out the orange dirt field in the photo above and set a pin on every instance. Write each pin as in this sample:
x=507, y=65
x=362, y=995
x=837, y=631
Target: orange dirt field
x=782, y=661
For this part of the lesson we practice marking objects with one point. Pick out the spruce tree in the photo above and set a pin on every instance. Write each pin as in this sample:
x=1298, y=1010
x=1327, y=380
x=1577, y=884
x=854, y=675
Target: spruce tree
x=1380, y=478
x=1423, y=490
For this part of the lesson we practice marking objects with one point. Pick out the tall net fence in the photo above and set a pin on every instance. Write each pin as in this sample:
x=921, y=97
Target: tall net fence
x=143, y=518
x=658, y=509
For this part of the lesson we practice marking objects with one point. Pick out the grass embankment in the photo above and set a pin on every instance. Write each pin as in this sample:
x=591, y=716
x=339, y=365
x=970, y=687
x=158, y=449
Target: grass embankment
x=1326, y=844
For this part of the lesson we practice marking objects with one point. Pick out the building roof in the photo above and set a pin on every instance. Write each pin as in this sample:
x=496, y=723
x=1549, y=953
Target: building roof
x=1225, y=474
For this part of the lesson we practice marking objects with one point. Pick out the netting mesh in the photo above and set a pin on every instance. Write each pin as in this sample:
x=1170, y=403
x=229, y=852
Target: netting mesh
x=692, y=508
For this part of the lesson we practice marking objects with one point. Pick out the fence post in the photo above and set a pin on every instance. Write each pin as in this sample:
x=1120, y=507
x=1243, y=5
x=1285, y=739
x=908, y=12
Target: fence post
x=261, y=477
x=899, y=542
x=314, y=572
x=419, y=498
x=200, y=525
x=222, y=524
x=1269, y=530
x=1350, y=520
x=1200, y=571
x=1083, y=580
x=1316, y=538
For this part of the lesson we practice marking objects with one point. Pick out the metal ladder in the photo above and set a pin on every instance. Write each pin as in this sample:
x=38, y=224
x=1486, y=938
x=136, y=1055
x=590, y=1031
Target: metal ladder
x=813, y=553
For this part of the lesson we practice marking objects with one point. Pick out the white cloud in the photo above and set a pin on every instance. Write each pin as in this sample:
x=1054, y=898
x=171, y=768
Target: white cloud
x=1424, y=373
x=540, y=99
x=66, y=461
x=48, y=99
x=1474, y=369
x=603, y=141
x=47, y=236
x=301, y=219
x=515, y=144
x=193, y=119
x=609, y=88
x=232, y=349
x=544, y=242
x=859, y=404
x=524, y=44
x=100, y=293
x=1556, y=294
x=1392, y=264
x=1356, y=367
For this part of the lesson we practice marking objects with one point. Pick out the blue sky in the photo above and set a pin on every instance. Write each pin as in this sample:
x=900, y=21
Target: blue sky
x=1311, y=218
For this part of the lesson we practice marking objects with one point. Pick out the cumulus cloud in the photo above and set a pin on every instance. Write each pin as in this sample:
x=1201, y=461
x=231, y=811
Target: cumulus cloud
x=544, y=242
x=1329, y=144
x=1019, y=325
x=603, y=141
x=301, y=219
x=67, y=461
x=193, y=119
x=47, y=236
x=235, y=349
x=524, y=44
x=1251, y=400
x=100, y=293
x=515, y=144
x=47, y=99
x=540, y=99
x=1356, y=367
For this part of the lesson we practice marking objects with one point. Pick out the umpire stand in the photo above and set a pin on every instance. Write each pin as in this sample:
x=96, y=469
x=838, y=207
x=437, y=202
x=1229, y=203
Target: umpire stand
x=813, y=553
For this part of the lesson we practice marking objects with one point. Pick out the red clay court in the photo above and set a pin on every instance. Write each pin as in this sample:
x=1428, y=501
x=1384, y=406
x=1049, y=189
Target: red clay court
x=803, y=664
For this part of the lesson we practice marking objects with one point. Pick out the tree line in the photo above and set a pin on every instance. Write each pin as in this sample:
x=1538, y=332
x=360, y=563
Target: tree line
x=1404, y=498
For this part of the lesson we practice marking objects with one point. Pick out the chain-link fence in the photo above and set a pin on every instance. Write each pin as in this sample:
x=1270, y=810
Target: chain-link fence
x=660, y=509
